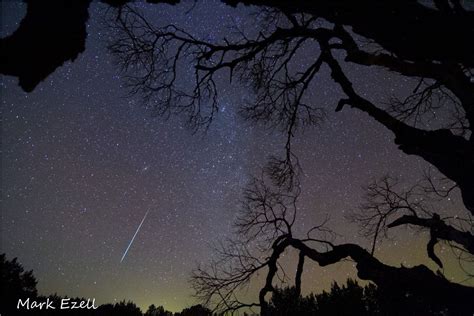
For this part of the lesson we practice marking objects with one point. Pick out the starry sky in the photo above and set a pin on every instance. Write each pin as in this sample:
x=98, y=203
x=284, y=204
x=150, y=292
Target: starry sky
x=82, y=163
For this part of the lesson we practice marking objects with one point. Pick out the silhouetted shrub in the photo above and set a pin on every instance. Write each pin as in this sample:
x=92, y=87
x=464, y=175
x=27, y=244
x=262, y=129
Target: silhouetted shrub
x=353, y=299
x=196, y=310
x=157, y=311
x=15, y=283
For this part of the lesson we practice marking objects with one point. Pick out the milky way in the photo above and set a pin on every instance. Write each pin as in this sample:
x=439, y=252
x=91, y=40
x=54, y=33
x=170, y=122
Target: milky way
x=82, y=161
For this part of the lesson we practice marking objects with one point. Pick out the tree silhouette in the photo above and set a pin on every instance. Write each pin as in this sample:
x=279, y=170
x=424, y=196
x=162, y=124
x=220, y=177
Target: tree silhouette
x=15, y=283
x=434, y=51
x=264, y=62
x=349, y=299
x=196, y=310
x=121, y=308
x=288, y=301
x=264, y=231
x=157, y=311
x=387, y=207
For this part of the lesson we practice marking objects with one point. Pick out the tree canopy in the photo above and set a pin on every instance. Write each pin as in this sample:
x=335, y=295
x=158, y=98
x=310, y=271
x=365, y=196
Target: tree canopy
x=429, y=42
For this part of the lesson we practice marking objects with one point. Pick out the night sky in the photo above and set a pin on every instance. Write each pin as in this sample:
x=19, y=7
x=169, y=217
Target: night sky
x=82, y=163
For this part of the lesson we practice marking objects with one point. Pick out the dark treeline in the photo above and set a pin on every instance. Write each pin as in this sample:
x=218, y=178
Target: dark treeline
x=17, y=284
x=348, y=299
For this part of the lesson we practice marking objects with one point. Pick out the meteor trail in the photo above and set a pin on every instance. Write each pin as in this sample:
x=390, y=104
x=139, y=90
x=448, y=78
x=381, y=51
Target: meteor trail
x=131, y=241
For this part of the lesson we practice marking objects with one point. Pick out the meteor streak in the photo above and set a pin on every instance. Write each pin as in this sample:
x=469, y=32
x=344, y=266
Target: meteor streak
x=131, y=241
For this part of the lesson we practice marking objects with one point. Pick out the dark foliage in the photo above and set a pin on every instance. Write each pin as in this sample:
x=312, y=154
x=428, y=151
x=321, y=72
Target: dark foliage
x=196, y=310
x=15, y=283
x=352, y=299
x=349, y=299
x=157, y=311
x=52, y=31
x=435, y=51
x=265, y=231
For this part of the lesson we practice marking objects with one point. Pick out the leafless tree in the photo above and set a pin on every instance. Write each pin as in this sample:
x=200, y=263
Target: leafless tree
x=265, y=230
x=264, y=61
x=388, y=206
x=153, y=58
x=435, y=51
